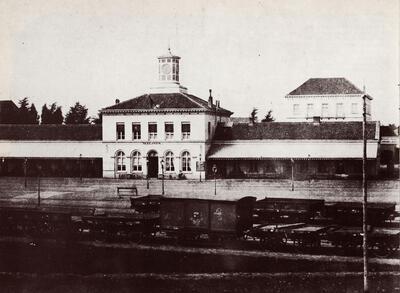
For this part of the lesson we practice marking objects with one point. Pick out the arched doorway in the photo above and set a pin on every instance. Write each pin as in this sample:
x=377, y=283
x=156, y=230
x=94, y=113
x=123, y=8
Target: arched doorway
x=152, y=164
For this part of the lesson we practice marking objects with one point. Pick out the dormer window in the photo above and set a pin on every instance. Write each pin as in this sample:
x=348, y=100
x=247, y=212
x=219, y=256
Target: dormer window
x=185, y=130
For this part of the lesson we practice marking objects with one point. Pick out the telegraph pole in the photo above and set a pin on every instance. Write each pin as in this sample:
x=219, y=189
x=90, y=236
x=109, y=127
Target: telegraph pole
x=364, y=188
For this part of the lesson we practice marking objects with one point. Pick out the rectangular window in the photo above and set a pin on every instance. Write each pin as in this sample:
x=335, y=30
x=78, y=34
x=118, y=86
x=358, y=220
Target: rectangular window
x=169, y=130
x=354, y=108
x=324, y=110
x=339, y=110
x=310, y=110
x=296, y=109
x=120, y=131
x=185, y=130
x=136, y=131
x=209, y=129
x=152, y=130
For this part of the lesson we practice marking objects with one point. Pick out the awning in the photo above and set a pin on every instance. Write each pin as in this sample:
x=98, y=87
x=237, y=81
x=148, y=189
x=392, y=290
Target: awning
x=289, y=150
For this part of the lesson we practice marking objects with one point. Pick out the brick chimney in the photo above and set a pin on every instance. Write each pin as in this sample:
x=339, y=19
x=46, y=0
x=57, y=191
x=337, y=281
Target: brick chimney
x=210, y=99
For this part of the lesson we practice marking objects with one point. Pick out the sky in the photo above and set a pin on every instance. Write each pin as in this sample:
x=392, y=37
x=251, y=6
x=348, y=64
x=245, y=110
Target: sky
x=251, y=53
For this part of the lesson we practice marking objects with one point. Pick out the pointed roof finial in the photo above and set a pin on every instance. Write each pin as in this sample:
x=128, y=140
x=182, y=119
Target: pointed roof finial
x=169, y=47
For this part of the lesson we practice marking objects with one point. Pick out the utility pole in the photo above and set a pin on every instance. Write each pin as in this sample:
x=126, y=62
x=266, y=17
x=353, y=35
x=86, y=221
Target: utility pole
x=365, y=199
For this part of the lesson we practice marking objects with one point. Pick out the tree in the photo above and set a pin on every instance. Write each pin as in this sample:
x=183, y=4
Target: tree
x=26, y=114
x=77, y=115
x=33, y=115
x=98, y=119
x=268, y=117
x=52, y=115
x=253, y=115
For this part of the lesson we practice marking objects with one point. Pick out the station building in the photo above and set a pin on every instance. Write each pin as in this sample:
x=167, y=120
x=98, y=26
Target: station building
x=168, y=131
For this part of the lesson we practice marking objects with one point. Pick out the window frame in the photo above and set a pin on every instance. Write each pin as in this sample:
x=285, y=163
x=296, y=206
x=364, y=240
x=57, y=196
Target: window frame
x=120, y=161
x=169, y=134
x=151, y=134
x=118, y=136
x=136, y=137
x=185, y=134
x=169, y=162
x=136, y=161
x=186, y=162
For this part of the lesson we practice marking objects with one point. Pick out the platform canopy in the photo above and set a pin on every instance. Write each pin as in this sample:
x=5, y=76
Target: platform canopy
x=291, y=150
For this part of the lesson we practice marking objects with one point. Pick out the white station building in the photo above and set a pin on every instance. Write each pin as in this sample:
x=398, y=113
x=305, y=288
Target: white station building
x=166, y=130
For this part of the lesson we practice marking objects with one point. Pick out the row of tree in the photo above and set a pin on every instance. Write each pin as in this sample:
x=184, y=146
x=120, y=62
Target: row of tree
x=267, y=118
x=77, y=114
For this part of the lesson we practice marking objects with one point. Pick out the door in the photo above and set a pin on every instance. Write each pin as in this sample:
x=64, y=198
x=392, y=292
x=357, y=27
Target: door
x=152, y=168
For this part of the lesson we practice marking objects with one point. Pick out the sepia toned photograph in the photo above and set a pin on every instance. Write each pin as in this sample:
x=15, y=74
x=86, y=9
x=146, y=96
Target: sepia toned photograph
x=199, y=146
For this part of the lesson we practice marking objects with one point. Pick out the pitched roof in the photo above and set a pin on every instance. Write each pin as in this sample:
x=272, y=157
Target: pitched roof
x=50, y=132
x=326, y=86
x=170, y=101
x=295, y=130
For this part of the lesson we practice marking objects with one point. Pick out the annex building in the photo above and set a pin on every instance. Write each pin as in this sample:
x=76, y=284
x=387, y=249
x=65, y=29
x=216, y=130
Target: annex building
x=168, y=131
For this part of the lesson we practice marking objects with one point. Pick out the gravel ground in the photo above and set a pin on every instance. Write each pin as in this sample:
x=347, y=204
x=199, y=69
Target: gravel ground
x=101, y=193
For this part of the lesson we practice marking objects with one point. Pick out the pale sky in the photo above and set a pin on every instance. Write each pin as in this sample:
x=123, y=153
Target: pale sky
x=251, y=53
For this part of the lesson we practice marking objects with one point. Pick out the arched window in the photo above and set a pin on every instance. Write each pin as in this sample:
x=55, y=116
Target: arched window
x=120, y=161
x=136, y=161
x=186, y=162
x=169, y=162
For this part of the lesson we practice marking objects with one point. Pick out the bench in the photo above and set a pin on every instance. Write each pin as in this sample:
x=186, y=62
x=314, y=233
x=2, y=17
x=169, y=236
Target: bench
x=132, y=190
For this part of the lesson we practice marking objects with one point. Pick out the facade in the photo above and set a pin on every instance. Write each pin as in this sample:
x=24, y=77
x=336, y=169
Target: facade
x=51, y=150
x=167, y=131
x=327, y=99
x=309, y=150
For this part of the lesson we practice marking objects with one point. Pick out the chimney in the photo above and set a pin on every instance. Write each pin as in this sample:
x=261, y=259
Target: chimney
x=116, y=101
x=210, y=99
x=217, y=104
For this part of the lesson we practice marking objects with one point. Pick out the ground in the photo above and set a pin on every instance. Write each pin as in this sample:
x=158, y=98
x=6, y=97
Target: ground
x=39, y=267
x=101, y=193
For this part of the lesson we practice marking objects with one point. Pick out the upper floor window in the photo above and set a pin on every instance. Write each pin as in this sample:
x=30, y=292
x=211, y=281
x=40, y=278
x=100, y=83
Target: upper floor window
x=324, y=110
x=185, y=130
x=354, y=108
x=310, y=110
x=186, y=162
x=120, y=161
x=136, y=131
x=152, y=130
x=296, y=109
x=120, y=130
x=339, y=110
x=169, y=130
x=169, y=162
x=136, y=161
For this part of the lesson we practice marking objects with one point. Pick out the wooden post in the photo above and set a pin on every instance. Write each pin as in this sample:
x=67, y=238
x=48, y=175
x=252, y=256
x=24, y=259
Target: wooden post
x=365, y=199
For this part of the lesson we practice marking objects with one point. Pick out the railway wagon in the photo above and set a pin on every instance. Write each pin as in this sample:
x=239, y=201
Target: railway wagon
x=350, y=213
x=34, y=222
x=146, y=204
x=280, y=210
x=116, y=227
x=381, y=241
x=187, y=218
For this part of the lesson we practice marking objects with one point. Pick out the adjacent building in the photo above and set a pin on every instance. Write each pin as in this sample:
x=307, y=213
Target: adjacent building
x=327, y=99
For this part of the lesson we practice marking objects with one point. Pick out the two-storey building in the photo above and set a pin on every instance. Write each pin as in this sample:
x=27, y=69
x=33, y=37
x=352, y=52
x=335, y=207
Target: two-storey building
x=165, y=131
x=329, y=99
